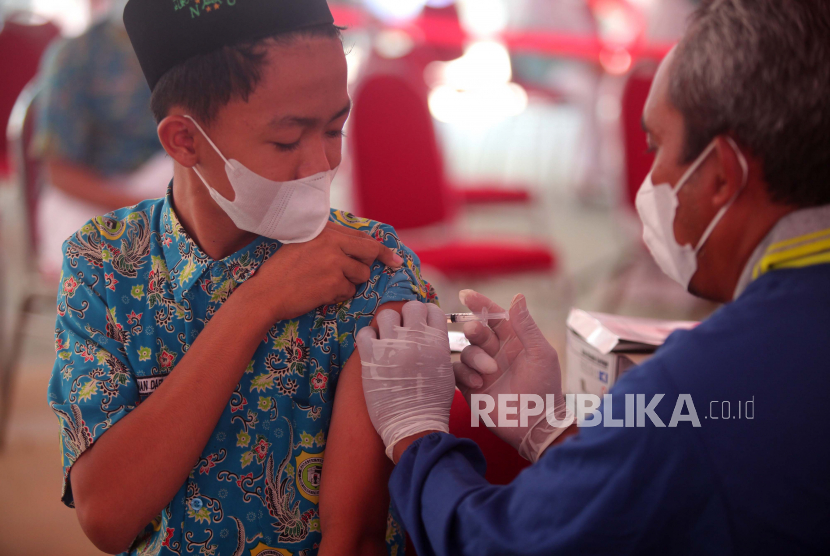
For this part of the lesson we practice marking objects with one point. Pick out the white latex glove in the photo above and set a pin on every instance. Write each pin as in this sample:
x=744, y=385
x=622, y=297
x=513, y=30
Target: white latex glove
x=513, y=357
x=408, y=379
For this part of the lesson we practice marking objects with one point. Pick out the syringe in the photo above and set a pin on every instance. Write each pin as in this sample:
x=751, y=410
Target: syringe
x=472, y=317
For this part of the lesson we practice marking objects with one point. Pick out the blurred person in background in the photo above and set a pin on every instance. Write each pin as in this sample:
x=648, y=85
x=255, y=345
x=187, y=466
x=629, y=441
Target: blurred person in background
x=734, y=460
x=95, y=132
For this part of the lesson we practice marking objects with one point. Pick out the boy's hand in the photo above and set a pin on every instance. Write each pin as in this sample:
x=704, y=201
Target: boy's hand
x=326, y=270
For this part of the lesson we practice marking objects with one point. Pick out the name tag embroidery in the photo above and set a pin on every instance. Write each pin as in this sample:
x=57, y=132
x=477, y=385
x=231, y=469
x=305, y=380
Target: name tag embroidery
x=148, y=384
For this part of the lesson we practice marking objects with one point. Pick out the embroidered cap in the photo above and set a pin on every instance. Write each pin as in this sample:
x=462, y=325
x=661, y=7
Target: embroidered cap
x=165, y=33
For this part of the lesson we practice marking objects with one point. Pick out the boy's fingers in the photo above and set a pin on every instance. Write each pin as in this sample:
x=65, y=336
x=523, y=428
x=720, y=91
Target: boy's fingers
x=364, y=249
x=355, y=271
x=388, y=256
x=378, y=251
x=341, y=229
x=367, y=251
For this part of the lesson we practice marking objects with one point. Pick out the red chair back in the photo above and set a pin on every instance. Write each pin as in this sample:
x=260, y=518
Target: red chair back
x=638, y=161
x=442, y=37
x=22, y=47
x=398, y=169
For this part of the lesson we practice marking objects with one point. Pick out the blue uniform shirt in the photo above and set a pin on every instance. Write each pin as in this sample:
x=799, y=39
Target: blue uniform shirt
x=734, y=485
x=135, y=293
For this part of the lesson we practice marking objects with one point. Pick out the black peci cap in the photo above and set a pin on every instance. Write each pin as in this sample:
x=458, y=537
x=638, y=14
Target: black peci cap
x=165, y=33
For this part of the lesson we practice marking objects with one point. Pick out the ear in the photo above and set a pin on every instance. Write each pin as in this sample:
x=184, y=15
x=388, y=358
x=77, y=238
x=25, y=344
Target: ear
x=176, y=134
x=732, y=175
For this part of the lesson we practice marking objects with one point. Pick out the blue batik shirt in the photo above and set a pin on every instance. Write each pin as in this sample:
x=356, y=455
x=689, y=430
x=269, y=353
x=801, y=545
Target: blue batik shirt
x=135, y=293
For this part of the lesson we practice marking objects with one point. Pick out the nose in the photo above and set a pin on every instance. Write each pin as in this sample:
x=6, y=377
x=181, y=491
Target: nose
x=315, y=160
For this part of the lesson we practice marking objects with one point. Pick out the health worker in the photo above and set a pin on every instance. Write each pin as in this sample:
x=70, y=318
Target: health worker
x=737, y=210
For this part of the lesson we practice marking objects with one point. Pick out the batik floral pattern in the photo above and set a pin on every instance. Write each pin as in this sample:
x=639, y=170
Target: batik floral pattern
x=134, y=294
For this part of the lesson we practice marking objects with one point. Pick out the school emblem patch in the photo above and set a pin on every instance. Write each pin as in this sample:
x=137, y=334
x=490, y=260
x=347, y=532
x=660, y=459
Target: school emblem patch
x=309, y=472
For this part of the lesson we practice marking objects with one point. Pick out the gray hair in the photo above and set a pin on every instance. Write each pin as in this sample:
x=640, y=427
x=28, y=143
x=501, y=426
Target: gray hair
x=759, y=70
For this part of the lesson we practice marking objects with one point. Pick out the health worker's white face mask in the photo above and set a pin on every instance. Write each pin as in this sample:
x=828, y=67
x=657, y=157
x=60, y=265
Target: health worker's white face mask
x=657, y=206
x=290, y=211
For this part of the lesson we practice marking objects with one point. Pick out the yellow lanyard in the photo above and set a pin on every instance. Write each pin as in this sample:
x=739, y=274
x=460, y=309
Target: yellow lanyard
x=799, y=252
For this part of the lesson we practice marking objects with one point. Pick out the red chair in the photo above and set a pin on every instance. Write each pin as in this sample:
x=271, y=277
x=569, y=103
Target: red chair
x=493, y=194
x=441, y=37
x=399, y=179
x=22, y=47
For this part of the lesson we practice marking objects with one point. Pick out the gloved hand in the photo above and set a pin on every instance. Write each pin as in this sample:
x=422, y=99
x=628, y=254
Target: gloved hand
x=408, y=379
x=513, y=357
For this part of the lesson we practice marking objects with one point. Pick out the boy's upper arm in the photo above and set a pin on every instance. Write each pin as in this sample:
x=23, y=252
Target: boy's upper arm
x=354, y=495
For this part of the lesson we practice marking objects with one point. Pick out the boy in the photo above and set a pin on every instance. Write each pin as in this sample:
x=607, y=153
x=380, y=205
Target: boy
x=200, y=336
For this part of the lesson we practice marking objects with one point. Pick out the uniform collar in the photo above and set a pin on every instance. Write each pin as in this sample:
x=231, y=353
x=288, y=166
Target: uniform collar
x=799, y=224
x=186, y=264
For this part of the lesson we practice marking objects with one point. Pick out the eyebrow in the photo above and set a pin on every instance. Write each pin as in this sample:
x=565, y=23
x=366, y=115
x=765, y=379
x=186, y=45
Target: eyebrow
x=309, y=122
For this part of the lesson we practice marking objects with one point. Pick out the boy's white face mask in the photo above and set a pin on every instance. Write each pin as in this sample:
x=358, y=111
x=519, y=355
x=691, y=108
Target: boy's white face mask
x=289, y=212
x=657, y=206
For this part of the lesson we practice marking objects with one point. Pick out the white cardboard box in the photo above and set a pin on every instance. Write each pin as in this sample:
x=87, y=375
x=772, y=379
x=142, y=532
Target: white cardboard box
x=601, y=347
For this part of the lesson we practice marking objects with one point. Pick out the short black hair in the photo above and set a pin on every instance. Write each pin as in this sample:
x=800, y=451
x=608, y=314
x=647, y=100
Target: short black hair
x=205, y=83
x=758, y=70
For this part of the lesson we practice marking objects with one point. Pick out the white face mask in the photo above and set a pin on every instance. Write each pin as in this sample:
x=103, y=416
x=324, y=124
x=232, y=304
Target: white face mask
x=657, y=206
x=290, y=211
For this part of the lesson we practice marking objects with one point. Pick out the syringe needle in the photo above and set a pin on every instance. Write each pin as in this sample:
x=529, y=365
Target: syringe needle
x=472, y=317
